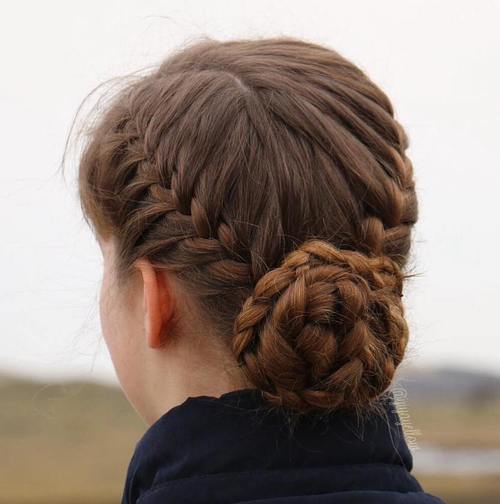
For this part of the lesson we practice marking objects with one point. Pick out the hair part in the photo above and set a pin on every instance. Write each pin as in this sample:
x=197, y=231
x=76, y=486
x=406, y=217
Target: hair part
x=270, y=176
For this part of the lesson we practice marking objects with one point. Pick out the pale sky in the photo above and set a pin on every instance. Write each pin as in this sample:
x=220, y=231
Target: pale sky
x=438, y=62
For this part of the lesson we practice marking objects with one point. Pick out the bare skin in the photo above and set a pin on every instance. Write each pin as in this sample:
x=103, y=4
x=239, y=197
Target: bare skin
x=162, y=351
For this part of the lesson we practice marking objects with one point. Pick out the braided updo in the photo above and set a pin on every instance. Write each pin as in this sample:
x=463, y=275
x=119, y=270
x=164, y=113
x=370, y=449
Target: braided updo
x=270, y=176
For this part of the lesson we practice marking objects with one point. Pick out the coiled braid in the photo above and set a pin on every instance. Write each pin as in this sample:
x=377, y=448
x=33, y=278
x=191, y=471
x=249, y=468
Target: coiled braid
x=324, y=329
x=270, y=175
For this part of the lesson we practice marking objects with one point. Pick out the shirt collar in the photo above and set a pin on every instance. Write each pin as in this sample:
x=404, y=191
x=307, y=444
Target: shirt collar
x=237, y=432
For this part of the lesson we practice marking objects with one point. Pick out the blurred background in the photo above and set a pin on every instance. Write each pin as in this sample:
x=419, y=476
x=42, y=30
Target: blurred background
x=66, y=431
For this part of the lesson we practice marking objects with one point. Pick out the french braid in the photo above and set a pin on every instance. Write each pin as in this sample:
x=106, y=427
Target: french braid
x=271, y=176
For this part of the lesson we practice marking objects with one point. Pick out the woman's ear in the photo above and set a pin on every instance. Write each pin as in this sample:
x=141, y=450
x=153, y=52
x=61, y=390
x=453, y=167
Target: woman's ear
x=158, y=303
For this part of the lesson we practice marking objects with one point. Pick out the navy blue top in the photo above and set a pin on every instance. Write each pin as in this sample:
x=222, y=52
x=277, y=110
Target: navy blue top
x=233, y=449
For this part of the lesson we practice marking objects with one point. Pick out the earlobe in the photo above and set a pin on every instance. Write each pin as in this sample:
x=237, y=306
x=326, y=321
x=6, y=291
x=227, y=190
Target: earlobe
x=158, y=304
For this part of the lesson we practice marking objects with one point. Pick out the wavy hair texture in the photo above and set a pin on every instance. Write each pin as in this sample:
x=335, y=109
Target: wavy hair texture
x=270, y=175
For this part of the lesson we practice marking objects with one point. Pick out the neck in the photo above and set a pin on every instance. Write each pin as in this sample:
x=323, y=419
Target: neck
x=175, y=375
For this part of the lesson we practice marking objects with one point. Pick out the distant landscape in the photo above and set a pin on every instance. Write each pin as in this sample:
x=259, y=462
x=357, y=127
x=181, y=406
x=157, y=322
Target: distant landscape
x=71, y=442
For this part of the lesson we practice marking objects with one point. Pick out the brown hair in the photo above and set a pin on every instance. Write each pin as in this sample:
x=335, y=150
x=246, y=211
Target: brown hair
x=270, y=175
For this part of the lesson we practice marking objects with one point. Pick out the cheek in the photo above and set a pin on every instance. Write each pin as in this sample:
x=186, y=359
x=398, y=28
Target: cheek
x=112, y=326
x=106, y=313
x=118, y=325
x=104, y=310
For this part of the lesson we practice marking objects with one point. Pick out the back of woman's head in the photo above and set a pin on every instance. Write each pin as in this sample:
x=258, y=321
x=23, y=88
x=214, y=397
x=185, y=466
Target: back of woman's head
x=270, y=176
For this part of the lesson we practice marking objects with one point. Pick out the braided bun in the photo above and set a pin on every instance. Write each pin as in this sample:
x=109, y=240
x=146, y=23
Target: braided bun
x=323, y=331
